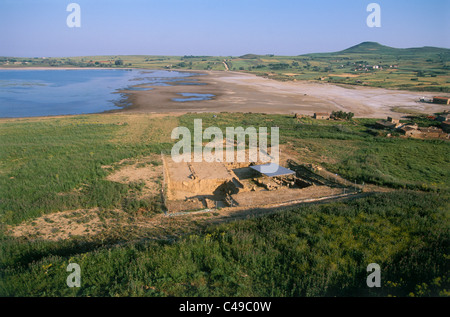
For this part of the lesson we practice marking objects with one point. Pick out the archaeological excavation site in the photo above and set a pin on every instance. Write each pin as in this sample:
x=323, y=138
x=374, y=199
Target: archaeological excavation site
x=197, y=186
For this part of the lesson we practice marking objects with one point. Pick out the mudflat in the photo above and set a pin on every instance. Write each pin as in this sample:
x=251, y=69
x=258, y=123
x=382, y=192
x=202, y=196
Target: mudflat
x=241, y=92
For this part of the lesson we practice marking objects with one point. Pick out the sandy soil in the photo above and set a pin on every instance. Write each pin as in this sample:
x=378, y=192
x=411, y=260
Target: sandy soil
x=65, y=224
x=240, y=92
x=149, y=174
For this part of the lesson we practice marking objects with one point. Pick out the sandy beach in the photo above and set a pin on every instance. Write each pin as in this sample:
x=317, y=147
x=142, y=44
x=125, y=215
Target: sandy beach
x=241, y=92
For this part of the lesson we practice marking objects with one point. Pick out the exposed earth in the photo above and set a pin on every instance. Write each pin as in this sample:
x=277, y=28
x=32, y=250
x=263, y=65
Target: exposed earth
x=240, y=92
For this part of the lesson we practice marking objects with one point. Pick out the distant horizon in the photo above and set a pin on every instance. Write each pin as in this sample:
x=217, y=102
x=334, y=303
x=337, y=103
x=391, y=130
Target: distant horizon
x=418, y=47
x=32, y=28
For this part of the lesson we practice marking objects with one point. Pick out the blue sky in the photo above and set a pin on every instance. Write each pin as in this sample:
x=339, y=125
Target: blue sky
x=35, y=28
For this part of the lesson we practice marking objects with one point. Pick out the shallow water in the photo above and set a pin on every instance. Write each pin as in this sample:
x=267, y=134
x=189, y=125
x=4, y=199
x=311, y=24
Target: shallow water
x=193, y=97
x=26, y=93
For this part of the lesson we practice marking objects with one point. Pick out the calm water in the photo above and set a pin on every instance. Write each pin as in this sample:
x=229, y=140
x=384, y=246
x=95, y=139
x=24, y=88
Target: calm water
x=26, y=93
x=193, y=97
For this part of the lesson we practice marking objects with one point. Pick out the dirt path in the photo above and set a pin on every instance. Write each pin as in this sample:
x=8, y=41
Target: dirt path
x=226, y=65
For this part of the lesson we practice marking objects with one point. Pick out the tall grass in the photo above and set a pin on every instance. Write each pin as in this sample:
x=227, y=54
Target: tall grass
x=53, y=165
x=319, y=250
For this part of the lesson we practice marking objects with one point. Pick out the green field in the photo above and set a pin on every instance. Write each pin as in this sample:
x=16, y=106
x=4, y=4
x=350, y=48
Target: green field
x=418, y=69
x=307, y=250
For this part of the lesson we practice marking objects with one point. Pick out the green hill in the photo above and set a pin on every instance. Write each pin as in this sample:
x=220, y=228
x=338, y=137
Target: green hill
x=370, y=47
x=418, y=69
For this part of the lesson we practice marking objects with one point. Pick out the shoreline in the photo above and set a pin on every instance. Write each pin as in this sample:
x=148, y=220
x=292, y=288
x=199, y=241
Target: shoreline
x=244, y=93
x=60, y=68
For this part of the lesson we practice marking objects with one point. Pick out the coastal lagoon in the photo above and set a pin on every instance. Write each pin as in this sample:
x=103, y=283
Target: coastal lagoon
x=28, y=93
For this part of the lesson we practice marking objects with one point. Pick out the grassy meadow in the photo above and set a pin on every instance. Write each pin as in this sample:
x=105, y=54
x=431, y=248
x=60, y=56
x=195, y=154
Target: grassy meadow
x=43, y=162
x=49, y=165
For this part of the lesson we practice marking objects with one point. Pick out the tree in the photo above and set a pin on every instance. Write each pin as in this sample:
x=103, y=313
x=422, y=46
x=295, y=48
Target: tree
x=342, y=115
x=118, y=62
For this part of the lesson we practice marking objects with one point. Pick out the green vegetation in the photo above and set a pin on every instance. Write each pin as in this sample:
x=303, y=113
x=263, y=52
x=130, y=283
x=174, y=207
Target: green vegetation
x=320, y=250
x=365, y=64
x=342, y=115
x=54, y=164
x=58, y=166
x=399, y=164
x=351, y=148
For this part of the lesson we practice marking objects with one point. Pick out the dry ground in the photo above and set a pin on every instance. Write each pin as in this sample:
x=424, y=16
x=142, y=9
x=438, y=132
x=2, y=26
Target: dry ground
x=147, y=170
x=67, y=224
x=240, y=92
